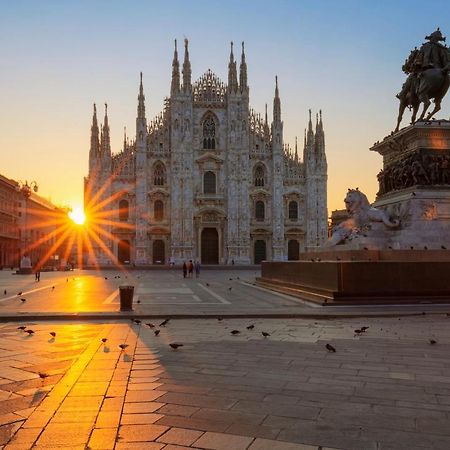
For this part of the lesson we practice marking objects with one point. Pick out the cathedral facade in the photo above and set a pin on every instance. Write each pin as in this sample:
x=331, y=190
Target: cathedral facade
x=208, y=179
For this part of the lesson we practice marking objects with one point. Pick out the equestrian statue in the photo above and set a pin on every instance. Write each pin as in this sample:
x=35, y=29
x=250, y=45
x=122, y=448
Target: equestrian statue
x=428, y=70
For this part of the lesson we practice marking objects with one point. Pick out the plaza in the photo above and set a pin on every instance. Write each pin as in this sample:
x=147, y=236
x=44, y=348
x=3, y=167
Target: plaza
x=385, y=388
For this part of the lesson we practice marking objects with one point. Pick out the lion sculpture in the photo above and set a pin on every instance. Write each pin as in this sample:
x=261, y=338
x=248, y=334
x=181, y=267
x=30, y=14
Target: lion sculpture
x=361, y=216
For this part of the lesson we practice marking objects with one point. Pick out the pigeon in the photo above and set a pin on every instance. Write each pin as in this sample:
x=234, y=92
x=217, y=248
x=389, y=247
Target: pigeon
x=150, y=325
x=23, y=300
x=138, y=301
x=207, y=284
x=237, y=278
x=5, y=292
x=432, y=341
x=30, y=332
x=53, y=287
x=104, y=340
x=22, y=327
x=137, y=321
x=230, y=279
x=364, y=329
x=174, y=345
x=220, y=319
x=230, y=288
x=42, y=375
x=235, y=332
x=157, y=332
x=164, y=323
x=123, y=346
x=442, y=246
x=19, y=293
x=52, y=333
x=330, y=348
x=358, y=332
x=265, y=333
x=106, y=278
x=250, y=327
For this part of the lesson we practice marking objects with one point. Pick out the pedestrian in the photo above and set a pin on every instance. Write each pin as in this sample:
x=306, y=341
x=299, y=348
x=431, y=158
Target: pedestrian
x=37, y=275
x=197, y=269
x=191, y=269
x=184, y=269
x=171, y=261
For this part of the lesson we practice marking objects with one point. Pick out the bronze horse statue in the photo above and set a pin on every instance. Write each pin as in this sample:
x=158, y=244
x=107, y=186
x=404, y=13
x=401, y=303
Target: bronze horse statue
x=430, y=84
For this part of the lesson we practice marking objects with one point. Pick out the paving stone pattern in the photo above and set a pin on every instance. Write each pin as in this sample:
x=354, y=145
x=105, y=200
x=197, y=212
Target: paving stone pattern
x=388, y=388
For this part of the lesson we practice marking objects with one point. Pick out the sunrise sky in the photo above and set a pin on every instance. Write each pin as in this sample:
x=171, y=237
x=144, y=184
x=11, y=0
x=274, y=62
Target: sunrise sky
x=343, y=57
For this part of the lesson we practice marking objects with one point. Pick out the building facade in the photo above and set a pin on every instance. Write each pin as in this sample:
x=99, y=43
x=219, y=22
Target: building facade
x=207, y=179
x=9, y=223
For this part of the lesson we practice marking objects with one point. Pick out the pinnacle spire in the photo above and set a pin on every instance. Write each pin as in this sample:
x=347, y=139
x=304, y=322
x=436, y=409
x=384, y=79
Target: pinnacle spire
x=95, y=144
x=265, y=118
x=296, y=149
x=175, y=86
x=310, y=122
x=141, y=100
x=276, y=103
x=105, y=139
x=243, y=71
x=232, y=72
x=186, y=68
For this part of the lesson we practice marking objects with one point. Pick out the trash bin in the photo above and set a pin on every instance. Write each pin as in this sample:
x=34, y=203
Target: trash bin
x=126, y=298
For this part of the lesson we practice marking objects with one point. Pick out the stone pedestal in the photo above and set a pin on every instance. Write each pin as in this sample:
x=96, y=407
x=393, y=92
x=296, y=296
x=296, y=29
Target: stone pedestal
x=414, y=188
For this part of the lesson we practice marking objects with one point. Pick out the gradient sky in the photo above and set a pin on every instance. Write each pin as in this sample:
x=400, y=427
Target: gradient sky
x=344, y=57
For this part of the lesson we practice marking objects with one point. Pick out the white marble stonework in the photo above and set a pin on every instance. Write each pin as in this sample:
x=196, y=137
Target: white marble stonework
x=208, y=179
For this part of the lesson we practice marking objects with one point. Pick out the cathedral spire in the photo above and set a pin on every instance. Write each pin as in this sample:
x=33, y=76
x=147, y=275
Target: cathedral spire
x=232, y=73
x=95, y=144
x=296, y=149
x=276, y=103
x=186, y=69
x=106, y=143
x=124, y=138
x=243, y=72
x=141, y=101
x=175, y=86
x=310, y=134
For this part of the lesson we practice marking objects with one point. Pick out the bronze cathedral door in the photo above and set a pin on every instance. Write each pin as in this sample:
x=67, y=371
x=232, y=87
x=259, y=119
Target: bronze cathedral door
x=210, y=246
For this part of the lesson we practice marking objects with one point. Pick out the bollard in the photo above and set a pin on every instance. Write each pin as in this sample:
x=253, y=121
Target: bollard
x=126, y=298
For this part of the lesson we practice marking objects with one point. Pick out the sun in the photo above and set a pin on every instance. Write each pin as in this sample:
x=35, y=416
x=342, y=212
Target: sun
x=77, y=215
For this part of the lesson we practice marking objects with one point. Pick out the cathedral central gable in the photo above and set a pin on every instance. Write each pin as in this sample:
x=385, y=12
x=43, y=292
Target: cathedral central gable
x=209, y=89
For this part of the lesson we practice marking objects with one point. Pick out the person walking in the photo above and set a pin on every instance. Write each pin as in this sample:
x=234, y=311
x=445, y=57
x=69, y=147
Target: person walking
x=191, y=268
x=197, y=269
x=37, y=275
x=184, y=269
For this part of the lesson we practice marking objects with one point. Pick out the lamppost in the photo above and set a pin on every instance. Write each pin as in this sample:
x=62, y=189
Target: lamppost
x=25, y=188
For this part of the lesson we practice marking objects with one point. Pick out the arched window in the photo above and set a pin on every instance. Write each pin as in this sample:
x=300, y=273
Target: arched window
x=159, y=175
x=124, y=210
x=259, y=175
x=293, y=210
x=259, y=210
x=158, y=209
x=209, y=133
x=209, y=183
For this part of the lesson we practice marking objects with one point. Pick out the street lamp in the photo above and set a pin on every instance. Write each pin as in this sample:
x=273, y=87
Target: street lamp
x=25, y=188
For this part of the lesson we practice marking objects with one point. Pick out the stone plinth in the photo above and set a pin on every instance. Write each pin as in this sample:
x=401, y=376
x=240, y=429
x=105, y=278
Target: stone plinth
x=362, y=281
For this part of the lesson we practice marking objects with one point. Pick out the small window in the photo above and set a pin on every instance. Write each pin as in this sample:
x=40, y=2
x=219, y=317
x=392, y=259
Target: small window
x=259, y=176
x=293, y=210
x=159, y=175
x=259, y=210
x=209, y=183
x=124, y=210
x=209, y=133
x=159, y=210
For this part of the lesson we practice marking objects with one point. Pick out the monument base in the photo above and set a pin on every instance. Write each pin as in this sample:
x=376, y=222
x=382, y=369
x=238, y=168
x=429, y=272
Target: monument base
x=363, y=277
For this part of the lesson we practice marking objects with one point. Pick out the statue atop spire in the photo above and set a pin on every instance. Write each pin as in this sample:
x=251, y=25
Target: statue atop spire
x=175, y=85
x=232, y=73
x=141, y=101
x=276, y=103
x=187, y=86
x=243, y=72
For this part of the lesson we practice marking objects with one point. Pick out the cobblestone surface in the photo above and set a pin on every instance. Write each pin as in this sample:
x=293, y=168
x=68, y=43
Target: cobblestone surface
x=386, y=388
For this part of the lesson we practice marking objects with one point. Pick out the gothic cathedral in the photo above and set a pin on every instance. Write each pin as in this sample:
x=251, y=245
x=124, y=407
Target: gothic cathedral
x=208, y=179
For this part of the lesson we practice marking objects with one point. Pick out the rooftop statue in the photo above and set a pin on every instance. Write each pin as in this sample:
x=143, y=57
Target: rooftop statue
x=428, y=78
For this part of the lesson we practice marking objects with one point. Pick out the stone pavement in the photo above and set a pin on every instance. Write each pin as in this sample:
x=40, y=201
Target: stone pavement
x=388, y=388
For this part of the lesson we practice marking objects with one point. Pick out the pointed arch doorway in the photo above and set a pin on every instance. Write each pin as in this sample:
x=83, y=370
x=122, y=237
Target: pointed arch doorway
x=124, y=251
x=210, y=246
x=159, y=256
